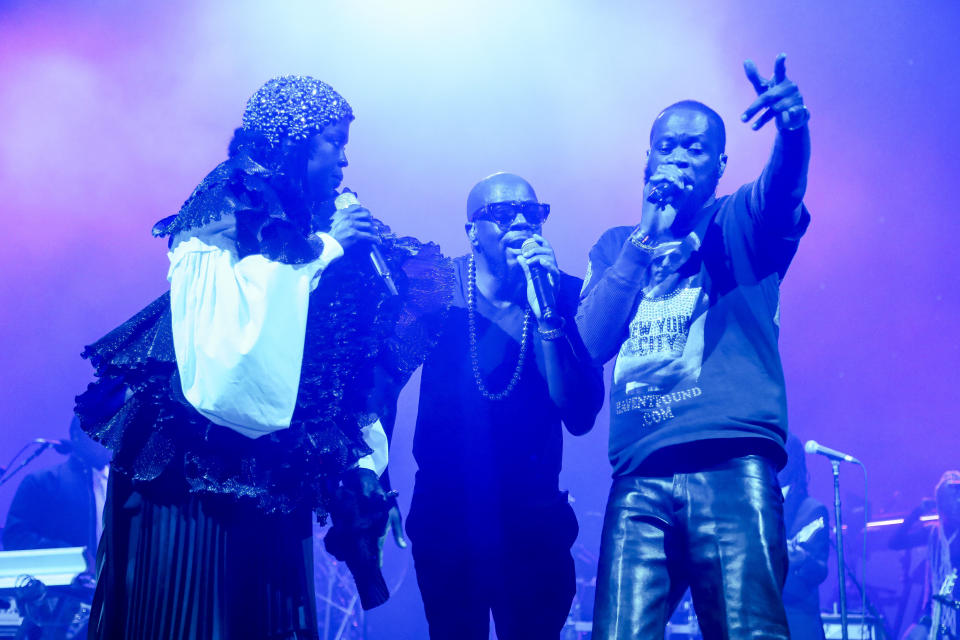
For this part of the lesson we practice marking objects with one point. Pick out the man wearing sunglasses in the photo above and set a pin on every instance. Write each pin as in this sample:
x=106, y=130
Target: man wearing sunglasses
x=491, y=530
x=688, y=302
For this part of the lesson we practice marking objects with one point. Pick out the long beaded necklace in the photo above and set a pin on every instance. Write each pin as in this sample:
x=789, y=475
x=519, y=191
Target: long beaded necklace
x=474, y=351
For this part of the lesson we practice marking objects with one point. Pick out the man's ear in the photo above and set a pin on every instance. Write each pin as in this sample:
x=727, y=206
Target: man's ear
x=471, y=229
x=722, y=163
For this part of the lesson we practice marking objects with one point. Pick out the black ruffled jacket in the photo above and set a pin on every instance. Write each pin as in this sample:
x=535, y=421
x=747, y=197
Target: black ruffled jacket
x=361, y=345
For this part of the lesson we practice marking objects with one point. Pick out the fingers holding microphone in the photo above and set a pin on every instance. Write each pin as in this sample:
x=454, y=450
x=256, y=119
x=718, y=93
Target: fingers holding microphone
x=352, y=223
x=664, y=193
x=667, y=186
x=536, y=251
x=539, y=265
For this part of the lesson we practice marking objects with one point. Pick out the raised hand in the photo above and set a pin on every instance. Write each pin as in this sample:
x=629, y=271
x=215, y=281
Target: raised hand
x=779, y=96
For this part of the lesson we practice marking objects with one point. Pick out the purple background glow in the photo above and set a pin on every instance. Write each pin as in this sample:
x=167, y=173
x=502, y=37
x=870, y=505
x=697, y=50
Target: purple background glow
x=111, y=112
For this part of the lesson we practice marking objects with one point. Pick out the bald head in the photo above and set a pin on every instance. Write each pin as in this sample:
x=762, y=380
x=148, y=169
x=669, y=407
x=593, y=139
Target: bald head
x=716, y=128
x=499, y=187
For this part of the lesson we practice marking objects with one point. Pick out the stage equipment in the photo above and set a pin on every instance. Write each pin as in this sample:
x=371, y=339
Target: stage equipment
x=857, y=626
x=45, y=594
x=836, y=457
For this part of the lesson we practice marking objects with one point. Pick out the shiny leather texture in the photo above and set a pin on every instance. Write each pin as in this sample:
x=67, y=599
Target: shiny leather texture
x=718, y=530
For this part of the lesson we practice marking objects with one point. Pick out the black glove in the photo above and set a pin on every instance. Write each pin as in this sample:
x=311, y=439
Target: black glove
x=359, y=514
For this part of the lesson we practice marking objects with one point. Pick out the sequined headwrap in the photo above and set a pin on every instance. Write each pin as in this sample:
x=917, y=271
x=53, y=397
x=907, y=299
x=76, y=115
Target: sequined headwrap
x=294, y=107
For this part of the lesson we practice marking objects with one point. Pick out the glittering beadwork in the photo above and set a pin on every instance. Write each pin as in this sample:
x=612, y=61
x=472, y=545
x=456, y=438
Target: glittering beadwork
x=662, y=324
x=294, y=107
x=474, y=351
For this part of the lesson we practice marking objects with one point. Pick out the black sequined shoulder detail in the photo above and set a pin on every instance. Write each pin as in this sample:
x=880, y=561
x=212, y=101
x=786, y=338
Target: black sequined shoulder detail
x=267, y=223
x=136, y=408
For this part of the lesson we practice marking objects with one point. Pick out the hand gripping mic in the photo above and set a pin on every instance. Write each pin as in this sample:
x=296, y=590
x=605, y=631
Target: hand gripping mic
x=662, y=193
x=348, y=199
x=541, y=285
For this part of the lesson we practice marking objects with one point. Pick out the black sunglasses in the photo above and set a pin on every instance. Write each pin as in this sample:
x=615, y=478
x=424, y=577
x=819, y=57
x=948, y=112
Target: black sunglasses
x=504, y=213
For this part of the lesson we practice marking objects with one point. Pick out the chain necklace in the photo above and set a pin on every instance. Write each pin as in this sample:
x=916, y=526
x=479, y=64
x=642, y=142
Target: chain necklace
x=474, y=352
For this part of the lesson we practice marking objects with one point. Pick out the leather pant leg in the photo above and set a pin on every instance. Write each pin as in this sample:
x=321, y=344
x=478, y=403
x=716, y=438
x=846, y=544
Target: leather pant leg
x=639, y=579
x=737, y=549
x=718, y=530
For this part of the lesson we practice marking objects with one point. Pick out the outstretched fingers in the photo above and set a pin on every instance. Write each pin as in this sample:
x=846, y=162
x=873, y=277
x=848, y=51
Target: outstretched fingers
x=777, y=95
x=781, y=107
x=763, y=101
x=782, y=95
x=750, y=68
x=780, y=68
x=764, y=118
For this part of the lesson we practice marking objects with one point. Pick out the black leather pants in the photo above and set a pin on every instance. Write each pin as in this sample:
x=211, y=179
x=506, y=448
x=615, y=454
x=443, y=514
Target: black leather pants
x=718, y=530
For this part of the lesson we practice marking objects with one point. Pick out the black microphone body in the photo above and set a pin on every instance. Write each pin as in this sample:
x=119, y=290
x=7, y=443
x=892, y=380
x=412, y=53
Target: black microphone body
x=348, y=199
x=812, y=446
x=661, y=193
x=542, y=288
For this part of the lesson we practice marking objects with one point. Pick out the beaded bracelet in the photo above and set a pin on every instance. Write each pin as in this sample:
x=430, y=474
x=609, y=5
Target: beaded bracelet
x=641, y=243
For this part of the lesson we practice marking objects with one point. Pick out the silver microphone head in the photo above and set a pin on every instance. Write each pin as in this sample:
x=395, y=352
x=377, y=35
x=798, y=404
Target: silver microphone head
x=345, y=199
x=529, y=242
x=811, y=446
x=60, y=446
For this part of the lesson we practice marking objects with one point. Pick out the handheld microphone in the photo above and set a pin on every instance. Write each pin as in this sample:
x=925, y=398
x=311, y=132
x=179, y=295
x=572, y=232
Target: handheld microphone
x=812, y=446
x=348, y=199
x=664, y=192
x=63, y=447
x=661, y=193
x=541, y=285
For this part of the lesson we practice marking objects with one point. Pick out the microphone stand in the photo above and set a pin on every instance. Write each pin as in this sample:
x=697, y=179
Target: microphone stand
x=43, y=447
x=841, y=565
x=878, y=618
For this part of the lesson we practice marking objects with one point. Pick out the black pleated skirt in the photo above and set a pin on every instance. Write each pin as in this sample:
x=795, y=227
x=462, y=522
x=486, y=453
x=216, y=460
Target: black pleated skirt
x=179, y=566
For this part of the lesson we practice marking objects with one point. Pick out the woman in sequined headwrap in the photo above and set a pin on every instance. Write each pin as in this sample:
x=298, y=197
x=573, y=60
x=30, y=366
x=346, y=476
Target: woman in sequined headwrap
x=251, y=394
